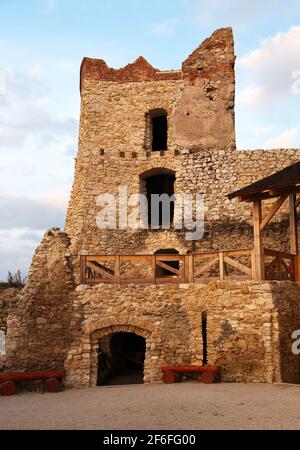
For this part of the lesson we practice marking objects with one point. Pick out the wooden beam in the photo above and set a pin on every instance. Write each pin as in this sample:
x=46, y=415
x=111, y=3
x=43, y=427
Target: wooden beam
x=118, y=270
x=167, y=267
x=298, y=202
x=99, y=258
x=253, y=268
x=206, y=266
x=129, y=258
x=238, y=265
x=99, y=270
x=283, y=191
x=205, y=255
x=269, y=252
x=297, y=268
x=244, y=252
x=191, y=269
x=275, y=207
x=258, y=243
x=221, y=263
x=170, y=257
x=186, y=269
x=267, y=195
x=293, y=225
x=153, y=269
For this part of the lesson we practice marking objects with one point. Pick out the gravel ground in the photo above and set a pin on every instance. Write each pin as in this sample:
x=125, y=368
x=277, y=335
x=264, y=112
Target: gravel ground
x=187, y=406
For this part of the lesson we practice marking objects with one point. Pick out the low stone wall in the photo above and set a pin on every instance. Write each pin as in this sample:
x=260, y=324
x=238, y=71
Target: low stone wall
x=38, y=328
x=8, y=300
x=242, y=328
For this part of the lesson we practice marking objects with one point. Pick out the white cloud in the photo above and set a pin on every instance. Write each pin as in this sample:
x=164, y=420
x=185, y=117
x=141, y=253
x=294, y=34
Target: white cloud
x=283, y=140
x=24, y=212
x=23, y=222
x=24, y=113
x=35, y=71
x=58, y=198
x=164, y=28
x=38, y=141
x=252, y=95
x=37, y=145
x=16, y=248
x=272, y=65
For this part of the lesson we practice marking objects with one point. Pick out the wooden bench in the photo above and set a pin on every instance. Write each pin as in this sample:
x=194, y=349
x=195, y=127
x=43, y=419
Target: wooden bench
x=52, y=380
x=206, y=374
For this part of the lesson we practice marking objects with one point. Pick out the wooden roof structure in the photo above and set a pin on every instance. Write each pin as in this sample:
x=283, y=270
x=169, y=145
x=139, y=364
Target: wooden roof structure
x=283, y=182
x=283, y=185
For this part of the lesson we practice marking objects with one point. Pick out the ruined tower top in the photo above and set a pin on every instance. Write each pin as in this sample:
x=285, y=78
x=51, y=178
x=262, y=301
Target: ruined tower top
x=199, y=99
x=149, y=130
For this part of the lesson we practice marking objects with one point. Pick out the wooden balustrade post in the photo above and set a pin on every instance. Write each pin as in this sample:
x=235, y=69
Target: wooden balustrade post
x=297, y=268
x=154, y=269
x=293, y=225
x=221, y=265
x=253, y=268
x=118, y=269
x=191, y=269
x=186, y=269
x=258, y=242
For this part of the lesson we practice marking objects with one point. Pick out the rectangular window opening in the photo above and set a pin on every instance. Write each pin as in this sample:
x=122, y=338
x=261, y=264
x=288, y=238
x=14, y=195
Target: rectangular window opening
x=159, y=133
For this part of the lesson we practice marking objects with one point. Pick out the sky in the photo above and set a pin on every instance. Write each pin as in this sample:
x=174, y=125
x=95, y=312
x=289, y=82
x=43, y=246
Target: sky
x=42, y=43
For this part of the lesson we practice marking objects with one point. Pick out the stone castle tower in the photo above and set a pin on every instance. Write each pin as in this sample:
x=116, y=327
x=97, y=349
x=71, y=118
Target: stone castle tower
x=159, y=132
x=139, y=123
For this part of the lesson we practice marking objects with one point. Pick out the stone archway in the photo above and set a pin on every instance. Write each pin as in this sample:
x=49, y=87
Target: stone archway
x=113, y=330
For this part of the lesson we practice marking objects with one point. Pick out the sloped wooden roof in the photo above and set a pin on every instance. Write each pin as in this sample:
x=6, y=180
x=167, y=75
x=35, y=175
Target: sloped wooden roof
x=272, y=186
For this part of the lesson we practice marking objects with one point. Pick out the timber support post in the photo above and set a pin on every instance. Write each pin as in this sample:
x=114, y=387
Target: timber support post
x=259, y=259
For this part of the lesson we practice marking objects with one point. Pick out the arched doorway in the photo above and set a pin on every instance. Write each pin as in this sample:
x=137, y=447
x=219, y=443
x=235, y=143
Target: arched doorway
x=121, y=359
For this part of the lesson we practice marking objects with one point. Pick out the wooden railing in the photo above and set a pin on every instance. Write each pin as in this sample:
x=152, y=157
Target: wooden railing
x=280, y=265
x=166, y=269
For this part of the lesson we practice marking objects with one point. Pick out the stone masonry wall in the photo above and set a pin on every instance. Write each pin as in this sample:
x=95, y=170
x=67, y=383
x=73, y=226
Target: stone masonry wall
x=214, y=173
x=286, y=301
x=38, y=327
x=241, y=328
x=114, y=152
x=8, y=301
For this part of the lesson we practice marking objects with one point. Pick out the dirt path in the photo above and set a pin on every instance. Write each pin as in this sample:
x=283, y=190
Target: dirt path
x=179, y=406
